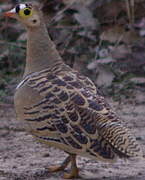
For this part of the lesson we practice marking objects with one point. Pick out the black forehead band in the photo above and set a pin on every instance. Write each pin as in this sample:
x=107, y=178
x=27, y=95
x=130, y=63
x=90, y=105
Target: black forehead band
x=17, y=9
x=29, y=5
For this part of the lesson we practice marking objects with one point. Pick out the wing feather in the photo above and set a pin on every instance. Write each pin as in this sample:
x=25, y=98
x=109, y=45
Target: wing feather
x=79, y=116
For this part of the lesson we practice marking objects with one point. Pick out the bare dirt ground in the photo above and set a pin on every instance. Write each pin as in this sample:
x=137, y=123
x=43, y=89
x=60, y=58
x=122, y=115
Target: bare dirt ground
x=22, y=158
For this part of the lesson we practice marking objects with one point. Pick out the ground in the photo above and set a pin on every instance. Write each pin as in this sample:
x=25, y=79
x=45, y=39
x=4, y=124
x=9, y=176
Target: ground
x=23, y=158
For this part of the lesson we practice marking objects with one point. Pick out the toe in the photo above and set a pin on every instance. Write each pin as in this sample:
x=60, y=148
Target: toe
x=74, y=174
x=55, y=168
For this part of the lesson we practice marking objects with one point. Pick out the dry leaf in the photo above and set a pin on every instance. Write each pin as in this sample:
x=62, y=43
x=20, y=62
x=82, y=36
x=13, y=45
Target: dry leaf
x=105, y=77
x=84, y=18
x=118, y=34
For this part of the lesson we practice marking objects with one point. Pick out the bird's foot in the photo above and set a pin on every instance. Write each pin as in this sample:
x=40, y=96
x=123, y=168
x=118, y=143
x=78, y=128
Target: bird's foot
x=60, y=167
x=74, y=173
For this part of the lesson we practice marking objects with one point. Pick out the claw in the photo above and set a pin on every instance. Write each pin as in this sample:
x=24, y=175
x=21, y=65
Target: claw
x=72, y=174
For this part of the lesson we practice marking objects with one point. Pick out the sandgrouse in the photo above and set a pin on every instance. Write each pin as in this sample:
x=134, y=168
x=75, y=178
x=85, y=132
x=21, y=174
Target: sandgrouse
x=62, y=108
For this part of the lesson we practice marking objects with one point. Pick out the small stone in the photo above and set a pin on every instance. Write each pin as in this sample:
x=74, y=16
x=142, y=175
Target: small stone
x=139, y=173
x=46, y=155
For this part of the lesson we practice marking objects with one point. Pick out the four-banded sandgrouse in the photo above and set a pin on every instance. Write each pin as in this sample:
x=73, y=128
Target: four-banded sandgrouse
x=62, y=108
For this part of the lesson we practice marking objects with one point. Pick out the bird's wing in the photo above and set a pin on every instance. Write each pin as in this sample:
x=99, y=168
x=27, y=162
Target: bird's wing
x=81, y=118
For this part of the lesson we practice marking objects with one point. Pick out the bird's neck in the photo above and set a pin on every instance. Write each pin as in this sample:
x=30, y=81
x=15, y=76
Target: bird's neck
x=41, y=51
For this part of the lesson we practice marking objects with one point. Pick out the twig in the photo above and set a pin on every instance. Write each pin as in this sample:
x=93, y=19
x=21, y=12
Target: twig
x=73, y=27
x=53, y=20
x=6, y=105
x=132, y=5
x=66, y=43
x=12, y=43
x=128, y=9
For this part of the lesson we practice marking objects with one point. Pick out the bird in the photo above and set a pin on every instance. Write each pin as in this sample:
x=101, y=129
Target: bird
x=62, y=108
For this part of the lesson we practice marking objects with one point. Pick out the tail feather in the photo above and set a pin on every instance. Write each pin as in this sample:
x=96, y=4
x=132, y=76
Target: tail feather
x=120, y=139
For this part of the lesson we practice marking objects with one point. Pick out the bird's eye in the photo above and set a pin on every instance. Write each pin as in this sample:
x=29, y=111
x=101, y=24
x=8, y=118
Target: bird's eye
x=25, y=12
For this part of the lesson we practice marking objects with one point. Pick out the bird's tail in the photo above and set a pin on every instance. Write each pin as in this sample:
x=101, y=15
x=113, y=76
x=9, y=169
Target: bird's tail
x=119, y=137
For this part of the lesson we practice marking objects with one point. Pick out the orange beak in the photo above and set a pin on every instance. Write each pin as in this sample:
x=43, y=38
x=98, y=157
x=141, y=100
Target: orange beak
x=9, y=14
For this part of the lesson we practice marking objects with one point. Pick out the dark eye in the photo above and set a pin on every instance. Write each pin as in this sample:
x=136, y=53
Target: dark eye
x=27, y=12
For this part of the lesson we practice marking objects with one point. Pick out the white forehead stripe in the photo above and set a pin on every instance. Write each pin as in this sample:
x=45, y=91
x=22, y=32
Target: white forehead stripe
x=22, y=6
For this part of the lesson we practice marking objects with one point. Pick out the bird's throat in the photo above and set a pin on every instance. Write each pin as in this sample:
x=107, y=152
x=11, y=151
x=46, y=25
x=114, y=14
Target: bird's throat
x=41, y=51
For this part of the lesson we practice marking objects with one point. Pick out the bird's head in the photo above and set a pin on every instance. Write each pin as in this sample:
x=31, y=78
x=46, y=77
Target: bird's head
x=29, y=14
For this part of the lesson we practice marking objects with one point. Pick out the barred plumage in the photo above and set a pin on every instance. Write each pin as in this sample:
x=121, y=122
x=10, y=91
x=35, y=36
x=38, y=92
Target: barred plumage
x=62, y=108
x=71, y=109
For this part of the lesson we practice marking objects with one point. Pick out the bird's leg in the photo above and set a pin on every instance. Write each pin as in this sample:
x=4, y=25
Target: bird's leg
x=60, y=167
x=74, y=170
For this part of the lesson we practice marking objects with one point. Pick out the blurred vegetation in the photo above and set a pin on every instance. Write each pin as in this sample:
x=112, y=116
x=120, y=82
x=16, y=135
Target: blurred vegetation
x=103, y=39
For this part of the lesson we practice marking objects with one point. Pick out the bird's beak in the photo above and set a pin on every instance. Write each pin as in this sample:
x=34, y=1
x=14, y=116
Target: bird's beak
x=10, y=13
